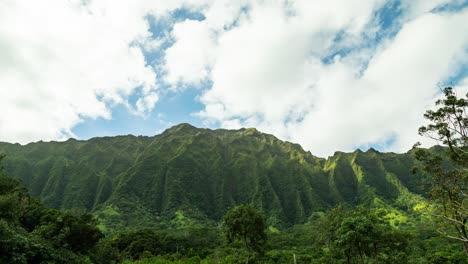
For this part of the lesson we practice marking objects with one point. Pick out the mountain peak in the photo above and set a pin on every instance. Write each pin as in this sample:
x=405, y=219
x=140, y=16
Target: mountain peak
x=250, y=131
x=372, y=150
x=181, y=127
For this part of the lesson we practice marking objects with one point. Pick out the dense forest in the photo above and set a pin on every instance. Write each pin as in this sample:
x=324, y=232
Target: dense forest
x=192, y=195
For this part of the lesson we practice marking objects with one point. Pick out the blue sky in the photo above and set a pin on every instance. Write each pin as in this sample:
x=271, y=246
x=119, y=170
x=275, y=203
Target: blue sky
x=172, y=109
x=335, y=75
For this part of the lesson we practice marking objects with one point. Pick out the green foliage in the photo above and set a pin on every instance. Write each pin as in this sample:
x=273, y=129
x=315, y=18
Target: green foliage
x=246, y=224
x=2, y=169
x=448, y=177
x=146, y=243
x=361, y=235
x=136, y=244
x=76, y=231
x=162, y=199
x=148, y=182
x=32, y=233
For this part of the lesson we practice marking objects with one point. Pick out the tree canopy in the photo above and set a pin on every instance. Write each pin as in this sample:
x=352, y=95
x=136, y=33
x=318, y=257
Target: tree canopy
x=247, y=224
x=448, y=177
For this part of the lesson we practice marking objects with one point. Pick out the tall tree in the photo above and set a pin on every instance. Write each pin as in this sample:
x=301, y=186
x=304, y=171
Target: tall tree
x=448, y=176
x=248, y=225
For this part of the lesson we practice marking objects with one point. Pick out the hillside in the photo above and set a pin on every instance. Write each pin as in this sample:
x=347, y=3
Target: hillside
x=192, y=174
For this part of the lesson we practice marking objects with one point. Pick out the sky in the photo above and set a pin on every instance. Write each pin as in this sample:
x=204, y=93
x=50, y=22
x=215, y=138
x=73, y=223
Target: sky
x=331, y=75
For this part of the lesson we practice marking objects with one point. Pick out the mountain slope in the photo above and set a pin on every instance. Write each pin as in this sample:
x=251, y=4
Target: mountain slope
x=187, y=173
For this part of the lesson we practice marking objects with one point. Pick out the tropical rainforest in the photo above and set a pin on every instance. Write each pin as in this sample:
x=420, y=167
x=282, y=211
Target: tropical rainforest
x=193, y=195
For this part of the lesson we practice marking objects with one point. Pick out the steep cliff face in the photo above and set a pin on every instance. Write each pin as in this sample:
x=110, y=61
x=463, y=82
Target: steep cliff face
x=72, y=173
x=192, y=173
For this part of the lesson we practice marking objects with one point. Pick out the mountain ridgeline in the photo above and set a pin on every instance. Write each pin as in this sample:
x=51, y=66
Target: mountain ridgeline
x=188, y=174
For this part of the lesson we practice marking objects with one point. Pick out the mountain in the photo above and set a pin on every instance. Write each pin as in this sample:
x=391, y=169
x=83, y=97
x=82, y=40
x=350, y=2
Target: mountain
x=188, y=174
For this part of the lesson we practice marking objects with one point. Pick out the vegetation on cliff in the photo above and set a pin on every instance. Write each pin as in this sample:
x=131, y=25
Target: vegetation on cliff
x=174, y=197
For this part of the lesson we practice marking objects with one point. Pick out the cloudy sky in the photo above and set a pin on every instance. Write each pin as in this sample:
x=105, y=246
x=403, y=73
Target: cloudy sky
x=330, y=75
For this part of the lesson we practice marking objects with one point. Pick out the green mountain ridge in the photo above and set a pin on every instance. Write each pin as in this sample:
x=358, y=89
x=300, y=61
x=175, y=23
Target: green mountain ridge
x=190, y=174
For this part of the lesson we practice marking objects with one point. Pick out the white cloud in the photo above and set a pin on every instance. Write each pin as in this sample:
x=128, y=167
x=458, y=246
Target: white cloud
x=188, y=59
x=414, y=8
x=146, y=103
x=62, y=61
x=267, y=72
x=266, y=58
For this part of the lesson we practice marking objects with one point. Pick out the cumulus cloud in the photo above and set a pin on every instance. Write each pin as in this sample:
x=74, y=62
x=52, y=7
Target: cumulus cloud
x=270, y=71
x=187, y=61
x=62, y=61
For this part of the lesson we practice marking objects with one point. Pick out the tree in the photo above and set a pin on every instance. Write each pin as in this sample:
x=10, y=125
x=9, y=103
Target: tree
x=248, y=225
x=361, y=235
x=2, y=156
x=32, y=233
x=448, y=173
x=74, y=230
